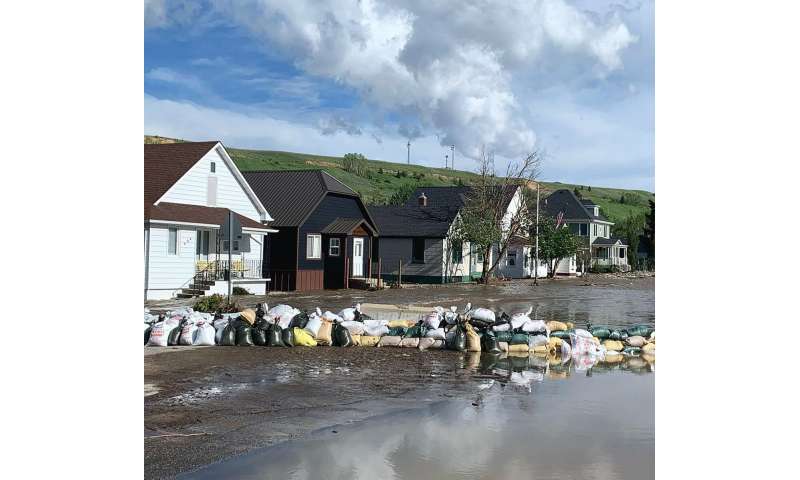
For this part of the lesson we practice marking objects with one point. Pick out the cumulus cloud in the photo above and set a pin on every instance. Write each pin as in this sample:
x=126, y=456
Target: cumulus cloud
x=447, y=64
x=336, y=123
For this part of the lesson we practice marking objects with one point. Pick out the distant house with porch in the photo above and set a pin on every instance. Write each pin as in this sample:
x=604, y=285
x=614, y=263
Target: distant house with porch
x=189, y=191
x=584, y=219
x=325, y=233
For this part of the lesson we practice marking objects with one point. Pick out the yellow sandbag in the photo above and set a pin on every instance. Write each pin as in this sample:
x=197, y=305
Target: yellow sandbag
x=556, y=326
x=356, y=340
x=401, y=323
x=249, y=315
x=473, y=340
x=649, y=358
x=596, y=341
x=614, y=345
x=390, y=341
x=636, y=341
x=503, y=346
x=369, y=340
x=554, y=343
x=324, y=334
x=303, y=338
x=540, y=349
x=613, y=356
x=570, y=325
x=649, y=348
x=411, y=342
x=518, y=348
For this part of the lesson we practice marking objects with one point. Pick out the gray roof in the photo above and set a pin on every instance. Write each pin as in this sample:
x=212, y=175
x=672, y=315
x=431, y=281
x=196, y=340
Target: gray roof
x=431, y=222
x=454, y=197
x=608, y=241
x=293, y=194
x=343, y=226
x=564, y=201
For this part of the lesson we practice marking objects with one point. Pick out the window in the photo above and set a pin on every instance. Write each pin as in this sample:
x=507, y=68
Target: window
x=457, y=251
x=418, y=250
x=313, y=247
x=584, y=231
x=594, y=229
x=213, y=167
x=573, y=228
x=621, y=253
x=172, y=242
x=512, y=258
x=334, y=246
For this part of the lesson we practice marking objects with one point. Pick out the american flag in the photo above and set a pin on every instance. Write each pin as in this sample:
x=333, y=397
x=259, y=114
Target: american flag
x=559, y=219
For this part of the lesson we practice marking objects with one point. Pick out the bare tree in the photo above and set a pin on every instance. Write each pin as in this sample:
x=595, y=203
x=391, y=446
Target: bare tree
x=493, y=214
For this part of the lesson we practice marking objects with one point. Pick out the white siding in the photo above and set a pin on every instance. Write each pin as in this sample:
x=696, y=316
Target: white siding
x=451, y=269
x=170, y=272
x=192, y=189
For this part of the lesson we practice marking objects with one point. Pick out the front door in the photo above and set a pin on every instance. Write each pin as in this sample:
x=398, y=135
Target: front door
x=358, y=257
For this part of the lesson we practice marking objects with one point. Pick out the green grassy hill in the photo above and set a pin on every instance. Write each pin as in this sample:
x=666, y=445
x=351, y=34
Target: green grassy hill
x=382, y=178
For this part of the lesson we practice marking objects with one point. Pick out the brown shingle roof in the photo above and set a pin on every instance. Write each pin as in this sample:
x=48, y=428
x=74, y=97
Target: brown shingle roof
x=343, y=226
x=165, y=164
x=180, y=212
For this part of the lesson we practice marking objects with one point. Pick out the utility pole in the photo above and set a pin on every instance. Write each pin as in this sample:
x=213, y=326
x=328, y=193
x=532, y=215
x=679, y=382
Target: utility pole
x=445, y=161
x=408, y=145
x=536, y=262
x=453, y=157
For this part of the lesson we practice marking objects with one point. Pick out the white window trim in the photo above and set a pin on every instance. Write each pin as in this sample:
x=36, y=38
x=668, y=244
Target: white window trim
x=309, y=238
x=338, y=247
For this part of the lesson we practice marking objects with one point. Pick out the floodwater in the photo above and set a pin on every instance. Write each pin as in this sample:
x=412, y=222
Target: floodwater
x=527, y=418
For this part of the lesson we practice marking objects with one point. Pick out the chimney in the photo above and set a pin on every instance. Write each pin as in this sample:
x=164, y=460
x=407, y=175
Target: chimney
x=422, y=200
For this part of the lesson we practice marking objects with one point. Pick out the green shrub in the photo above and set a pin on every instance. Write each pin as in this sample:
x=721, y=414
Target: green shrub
x=215, y=303
x=241, y=291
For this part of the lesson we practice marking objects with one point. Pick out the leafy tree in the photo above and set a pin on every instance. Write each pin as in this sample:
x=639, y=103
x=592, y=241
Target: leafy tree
x=622, y=199
x=355, y=163
x=649, y=236
x=556, y=243
x=590, y=188
x=577, y=192
x=631, y=229
x=400, y=195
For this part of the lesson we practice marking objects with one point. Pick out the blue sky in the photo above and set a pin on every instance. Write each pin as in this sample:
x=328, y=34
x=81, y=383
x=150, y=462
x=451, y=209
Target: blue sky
x=574, y=79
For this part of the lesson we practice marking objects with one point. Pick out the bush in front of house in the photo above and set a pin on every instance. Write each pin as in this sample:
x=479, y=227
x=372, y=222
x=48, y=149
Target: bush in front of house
x=241, y=291
x=215, y=303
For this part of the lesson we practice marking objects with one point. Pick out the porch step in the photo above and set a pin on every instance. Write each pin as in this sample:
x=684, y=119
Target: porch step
x=201, y=286
x=192, y=292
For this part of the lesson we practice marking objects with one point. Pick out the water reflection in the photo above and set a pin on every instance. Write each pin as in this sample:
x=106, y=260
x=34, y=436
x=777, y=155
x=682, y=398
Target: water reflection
x=531, y=416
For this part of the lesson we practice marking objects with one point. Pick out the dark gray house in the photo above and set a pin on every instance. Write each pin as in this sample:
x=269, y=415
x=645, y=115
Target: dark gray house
x=326, y=233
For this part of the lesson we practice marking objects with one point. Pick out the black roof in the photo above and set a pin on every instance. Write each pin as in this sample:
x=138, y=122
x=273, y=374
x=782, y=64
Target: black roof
x=608, y=241
x=431, y=222
x=293, y=194
x=454, y=197
x=564, y=201
x=343, y=226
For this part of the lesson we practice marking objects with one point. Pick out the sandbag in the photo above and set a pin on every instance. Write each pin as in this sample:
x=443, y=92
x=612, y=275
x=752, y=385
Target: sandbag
x=244, y=335
x=518, y=348
x=435, y=333
x=354, y=327
x=535, y=326
x=228, y=337
x=397, y=331
x=481, y=314
x=555, y=343
x=324, y=335
x=219, y=327
x=433, y=319
x=614, y=345
x=147, y=330
x=458, y=340
x=298, y=321
x=281, y=310
x=350, y=314
x=409, y=342
x=313, y=325
x=539, y=349
x=519, y=339
x=206, y=335
x=579, y=332
x=502, y=327
x=174, y=336
x=556, y=326
x=287, y=337
x=504, y=336
x=640, y=330
x=341, y=336
x=416, y=331
x=331, y=317
x=489, y=343
x=519, y=319
x=259, y=336
x=636, y=341
x=537, y=340
x=632, y=351
x=274, y=336
x=356, y=339
x=302, y=338
x=613, y=356
x=369, y=323
x=437, y=345
x=159, y=334
x=618, y=335
x=451, y=317
x=426, y=343
x=388, y=341
x=473, y=340
x=248, y=315
x=653, y=336
x=562, y=334
x=401, y=323
x=600, y=332
x=377, y=331
x=188, y=333
x=369, y=340
x=649, y=348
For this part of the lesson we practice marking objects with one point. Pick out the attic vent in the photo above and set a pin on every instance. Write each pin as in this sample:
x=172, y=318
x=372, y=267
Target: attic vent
x=422, y=200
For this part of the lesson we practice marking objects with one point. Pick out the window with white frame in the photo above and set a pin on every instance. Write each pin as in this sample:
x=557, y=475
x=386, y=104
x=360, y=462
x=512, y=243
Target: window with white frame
x=334, y=247
x=172, y=242
x=313, y=247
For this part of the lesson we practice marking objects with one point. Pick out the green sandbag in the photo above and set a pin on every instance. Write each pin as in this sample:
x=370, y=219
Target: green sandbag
x=397, y=331
x=519, y=339
x=458, y=341
x=504, y=336
x=275, y=336
x=341, y=336
x=175, y=335
x=228, y=335
x=639, y=330
x=562, y=334
x=287, y=336
x=417, y=331
x=632, y=351
x=489, y=343
x=601, y=332
x=147, y=333
x=299, y=321
x=244, y=336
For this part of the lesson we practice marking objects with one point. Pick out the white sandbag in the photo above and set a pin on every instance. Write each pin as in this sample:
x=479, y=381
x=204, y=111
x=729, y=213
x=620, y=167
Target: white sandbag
x=159, y=335
x=503, y=327
x=579, y=332
x=187, y=334
x=410, y=342
x=205, y=335
x=535, y=326
x=537, y=340
x=566, y=352
x=437, y=345
x=433, y=319
x=313, y=325
x=426, y=343
x=349, y=314
x=451, y=317
x=355, y=328
x=370, y=323
x=219, y=326
x=436, y=333
x=332, y=317
x=390, y=341
x=483, y=314
x=376, y=331
x=520, y=319
x=280, y=310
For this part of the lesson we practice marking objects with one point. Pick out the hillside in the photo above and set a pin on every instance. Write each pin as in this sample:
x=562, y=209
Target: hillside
x=382, y=178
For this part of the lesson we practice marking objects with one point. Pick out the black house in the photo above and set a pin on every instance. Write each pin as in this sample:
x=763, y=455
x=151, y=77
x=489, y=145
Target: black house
x=325, y=232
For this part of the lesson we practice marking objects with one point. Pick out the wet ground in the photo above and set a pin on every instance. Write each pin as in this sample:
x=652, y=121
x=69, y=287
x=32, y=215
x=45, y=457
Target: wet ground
x=328, y=412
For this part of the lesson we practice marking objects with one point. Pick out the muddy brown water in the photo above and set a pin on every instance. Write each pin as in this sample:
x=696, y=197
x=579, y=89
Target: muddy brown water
x=326, y=412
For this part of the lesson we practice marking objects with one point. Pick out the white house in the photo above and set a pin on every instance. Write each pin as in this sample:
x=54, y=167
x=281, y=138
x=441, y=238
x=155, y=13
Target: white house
x=189, y=191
